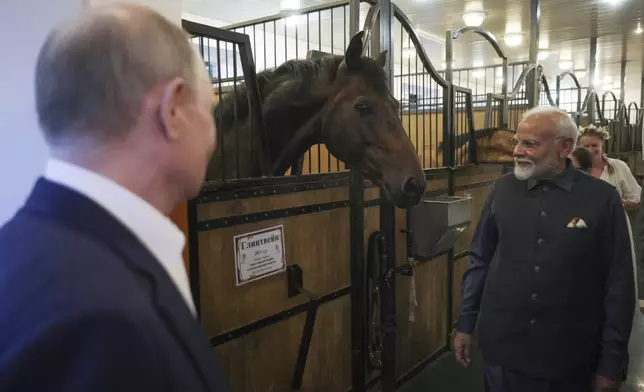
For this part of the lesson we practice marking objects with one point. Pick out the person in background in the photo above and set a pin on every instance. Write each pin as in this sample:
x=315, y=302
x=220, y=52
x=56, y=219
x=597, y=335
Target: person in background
x=550, y=275
x=614, y=171
x=582, y=159
x=95, y=296
x=617, y=173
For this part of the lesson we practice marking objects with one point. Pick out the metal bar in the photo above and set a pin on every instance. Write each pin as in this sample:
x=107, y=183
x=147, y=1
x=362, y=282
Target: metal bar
x=448, y=102
x=535, y=20
x=422, y=365
x=354, y=17
x=622, y=78
x=591, y=76
x=305, y=344
x=358, y=282
x=388, y=223
x=275, y=318
x=234, y=220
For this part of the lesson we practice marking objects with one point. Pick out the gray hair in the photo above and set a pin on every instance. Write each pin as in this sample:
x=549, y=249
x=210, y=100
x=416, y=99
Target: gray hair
x=93, y=73
x=564, y=124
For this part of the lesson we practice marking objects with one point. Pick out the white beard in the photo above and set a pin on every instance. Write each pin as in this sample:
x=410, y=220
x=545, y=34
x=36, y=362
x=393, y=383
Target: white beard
x=524, y=169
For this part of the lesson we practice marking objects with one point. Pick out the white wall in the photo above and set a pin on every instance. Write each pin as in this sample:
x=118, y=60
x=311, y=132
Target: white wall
x=23, y=151
x=22, y=148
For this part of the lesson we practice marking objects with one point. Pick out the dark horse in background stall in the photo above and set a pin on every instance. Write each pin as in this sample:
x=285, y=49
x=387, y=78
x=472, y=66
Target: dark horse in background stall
x=493, y=145
x=340, y=101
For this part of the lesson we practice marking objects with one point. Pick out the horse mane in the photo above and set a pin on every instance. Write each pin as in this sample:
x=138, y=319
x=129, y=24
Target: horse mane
x=295, y=76
x=299, y=74
x=462, y=139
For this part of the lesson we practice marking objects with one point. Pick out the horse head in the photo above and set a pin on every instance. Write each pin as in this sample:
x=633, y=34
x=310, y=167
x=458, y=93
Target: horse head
x=361, y=126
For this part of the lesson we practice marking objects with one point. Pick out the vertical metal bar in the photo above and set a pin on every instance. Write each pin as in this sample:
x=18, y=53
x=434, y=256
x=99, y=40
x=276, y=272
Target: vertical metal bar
x=356, y=247
x=622, y=78
x=448, y=103
x=533, y=80
x=354, y=17
x=504, y=91
x=591, y=77
x=388, y=224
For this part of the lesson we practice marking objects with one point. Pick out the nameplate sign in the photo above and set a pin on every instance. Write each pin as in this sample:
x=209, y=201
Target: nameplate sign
x=259, y=254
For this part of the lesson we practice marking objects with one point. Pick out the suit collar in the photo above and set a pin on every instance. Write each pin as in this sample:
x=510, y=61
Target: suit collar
x=564, y=180
x=73, y=209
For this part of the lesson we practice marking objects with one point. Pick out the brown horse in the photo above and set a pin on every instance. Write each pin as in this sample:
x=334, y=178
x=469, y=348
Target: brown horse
x=492, y=145
x=341, y=101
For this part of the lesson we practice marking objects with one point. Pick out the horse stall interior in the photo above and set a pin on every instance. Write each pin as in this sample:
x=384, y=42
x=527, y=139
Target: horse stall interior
x=350, y=308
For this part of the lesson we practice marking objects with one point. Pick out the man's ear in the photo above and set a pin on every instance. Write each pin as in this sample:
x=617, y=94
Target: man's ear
x=173, y=95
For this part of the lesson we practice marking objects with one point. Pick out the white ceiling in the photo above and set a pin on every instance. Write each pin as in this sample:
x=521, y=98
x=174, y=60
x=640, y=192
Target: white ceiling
x=566, y=29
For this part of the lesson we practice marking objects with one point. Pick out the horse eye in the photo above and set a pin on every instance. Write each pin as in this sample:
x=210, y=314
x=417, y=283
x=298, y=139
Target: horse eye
x=363, y=108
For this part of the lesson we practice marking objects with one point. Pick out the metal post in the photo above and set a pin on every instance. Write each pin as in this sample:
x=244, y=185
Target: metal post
x=388, y=225
x=504, y=91
x=448, y=103
x=591, y=76
x=354, y=17
x=622, y=77
x=357, y=257
x=533, y=80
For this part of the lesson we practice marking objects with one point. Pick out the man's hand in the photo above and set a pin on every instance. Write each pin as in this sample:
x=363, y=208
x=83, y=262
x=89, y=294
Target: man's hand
x=462, y=345
x=602, y=384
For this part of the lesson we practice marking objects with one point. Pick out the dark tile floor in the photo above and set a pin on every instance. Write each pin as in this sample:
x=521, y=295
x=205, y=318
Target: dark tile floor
x=445, y=375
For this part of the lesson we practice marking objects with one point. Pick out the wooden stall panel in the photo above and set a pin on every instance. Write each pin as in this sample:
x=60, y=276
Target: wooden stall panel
x=422, y=337
x=424, y=130
x=317, y=242
x=264, y=361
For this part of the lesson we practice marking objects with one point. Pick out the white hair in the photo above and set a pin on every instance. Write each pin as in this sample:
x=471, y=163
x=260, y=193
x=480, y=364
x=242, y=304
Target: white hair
x=564, y=124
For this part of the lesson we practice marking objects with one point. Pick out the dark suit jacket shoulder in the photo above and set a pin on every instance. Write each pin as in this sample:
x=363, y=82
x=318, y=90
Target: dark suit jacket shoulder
x=87, y=307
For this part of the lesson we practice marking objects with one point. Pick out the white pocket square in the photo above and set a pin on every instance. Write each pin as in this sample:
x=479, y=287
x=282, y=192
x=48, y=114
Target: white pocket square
x=577, y=223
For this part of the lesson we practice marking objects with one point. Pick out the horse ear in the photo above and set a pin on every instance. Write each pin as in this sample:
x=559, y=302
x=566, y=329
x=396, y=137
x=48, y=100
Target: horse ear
x=382, y=59
x=354, y=51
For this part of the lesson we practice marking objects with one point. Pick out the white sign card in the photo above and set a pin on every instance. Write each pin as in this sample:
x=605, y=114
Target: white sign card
x=259, y=254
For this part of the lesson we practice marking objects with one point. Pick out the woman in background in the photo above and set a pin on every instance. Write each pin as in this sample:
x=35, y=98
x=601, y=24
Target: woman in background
x=613, y=171
x=616, y=173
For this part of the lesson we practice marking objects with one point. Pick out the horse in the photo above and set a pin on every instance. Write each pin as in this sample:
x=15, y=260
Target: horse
x=492, y=145
x=341, y=101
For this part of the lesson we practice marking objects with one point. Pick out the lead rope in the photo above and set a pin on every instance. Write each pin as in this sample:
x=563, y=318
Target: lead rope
x=413, y=302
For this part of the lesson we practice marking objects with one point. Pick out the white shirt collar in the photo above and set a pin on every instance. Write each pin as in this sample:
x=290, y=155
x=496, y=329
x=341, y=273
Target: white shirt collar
x=155, y=231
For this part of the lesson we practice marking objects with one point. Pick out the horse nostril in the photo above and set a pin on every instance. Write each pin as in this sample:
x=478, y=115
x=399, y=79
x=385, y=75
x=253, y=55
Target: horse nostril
x=412, y=186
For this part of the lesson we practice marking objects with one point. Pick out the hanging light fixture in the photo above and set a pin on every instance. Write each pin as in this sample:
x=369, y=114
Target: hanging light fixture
x=474, y=15
x=513, y=39
x=639, y=30
x=474, y=18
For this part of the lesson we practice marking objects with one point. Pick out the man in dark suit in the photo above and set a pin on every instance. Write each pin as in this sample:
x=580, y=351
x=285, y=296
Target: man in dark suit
x=557, y=302
x=94, y=293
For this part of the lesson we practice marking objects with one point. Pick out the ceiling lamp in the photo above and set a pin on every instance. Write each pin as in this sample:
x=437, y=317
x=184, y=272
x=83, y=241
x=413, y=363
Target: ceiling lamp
x=543, y=54
x=580, y=73
x=474, y=18
x=639, y=30
x=513, y=39
x=565, y=65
